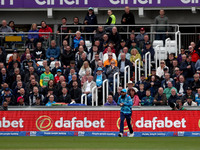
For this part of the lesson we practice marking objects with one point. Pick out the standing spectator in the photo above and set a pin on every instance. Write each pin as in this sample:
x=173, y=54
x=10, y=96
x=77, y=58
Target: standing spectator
x=63, y=29
x=128, y=19
x=194, y=55
x=90, y=19
x=148, y=99
x=161, y=20
x=11, y=24
x=45, y=77
x=110, y=101
x=45, y=28
x=75, y=93
x=33, y=38
x=75, y=23
x=111, y=19
x=51, y=101
x=53, y=52
x=140, y=38
x=160, y=98
x=39, y=52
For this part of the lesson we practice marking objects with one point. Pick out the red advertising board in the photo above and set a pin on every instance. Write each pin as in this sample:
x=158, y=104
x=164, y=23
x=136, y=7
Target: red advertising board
x=98, y=121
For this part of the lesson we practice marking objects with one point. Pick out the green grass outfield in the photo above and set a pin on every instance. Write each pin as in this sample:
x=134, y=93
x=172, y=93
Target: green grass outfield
x=100, y=143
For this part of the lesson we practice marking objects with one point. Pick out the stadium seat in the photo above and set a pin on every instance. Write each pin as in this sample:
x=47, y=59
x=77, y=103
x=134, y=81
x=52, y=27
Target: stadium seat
x=158, y=42
x=171, y=46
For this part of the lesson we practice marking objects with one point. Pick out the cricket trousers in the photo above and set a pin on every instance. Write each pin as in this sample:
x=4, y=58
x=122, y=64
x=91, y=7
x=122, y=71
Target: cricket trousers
x=128, y=120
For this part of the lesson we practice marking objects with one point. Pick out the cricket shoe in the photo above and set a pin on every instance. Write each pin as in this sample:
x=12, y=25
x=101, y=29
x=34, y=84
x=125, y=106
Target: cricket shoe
x=131, y=135
x=120, y=135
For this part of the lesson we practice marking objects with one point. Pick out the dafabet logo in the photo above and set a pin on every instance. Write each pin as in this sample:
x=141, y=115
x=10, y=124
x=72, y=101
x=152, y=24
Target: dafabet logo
x=44, y=123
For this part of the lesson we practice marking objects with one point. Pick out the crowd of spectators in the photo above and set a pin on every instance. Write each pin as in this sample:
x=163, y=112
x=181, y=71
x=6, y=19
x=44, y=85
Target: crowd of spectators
x=69, y=71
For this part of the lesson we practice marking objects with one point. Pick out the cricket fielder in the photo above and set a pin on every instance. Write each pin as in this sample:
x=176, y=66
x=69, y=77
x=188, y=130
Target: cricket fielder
x=125, y=102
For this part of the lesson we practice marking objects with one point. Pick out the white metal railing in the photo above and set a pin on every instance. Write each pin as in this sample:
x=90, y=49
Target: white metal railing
x=116, y=75
x=137, y=69
x=157, y=49
x=125, y=75
x=147, y=63
x=105, y=87
x=95, y=95
x=82, y=98
x=178, y=39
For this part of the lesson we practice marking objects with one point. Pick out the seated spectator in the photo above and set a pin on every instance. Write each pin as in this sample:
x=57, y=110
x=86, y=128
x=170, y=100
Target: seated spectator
x=15, y=54
x=3, y=55
x=167, y=79
x=100, y=64
x=134, y=56
x=31, y=72
x=135, y=98
x=105, y=56
x=197, y=97
x=110, y=101
x=142, y=81
x=169, y=61
x=94, y=63
x=18, y=78
x=74, y=78
x=121, y=46
x=39, y=53
x=195, y=84
x=64, y=46
x=13, y=76
x=81, y=43
x=57, y=76
x=4, y=106
x=53, y=52
x=41, y=69
x=9, y=99
x=4, y=77
x=23, y=94
x=160, y=98
x=67, y=56
x=45, y=77
x=75, y=93
x=111, y=70
x=123, y=63
x=134, y=46
x=91, y=55
x=140, y=37
x=190, y=102
x=12, y=66
x=129, y=41
x=38, y=102
x=115, y=36
x=111, y=47
x=80, y=56
x=188, y=94
x=33, y=38
x=181, y=86
x=28, y=62
x=173, y=97
x=194, y=55
x=76, y=40
x=60, y=85
x=125, y=51
x=167, y=90
x=51, y=101
x=65, y=97
x=51, y=86
x=160, y=69
x=45, y=28
x=49, y=93
x=17, y=88
x=29, y=86
x=154, y=84
x=179, y=58
x=174, y=66
x=105, y=42
x=141, y=93
x=176, y=75
x=71, y=73
x=20, y=101
x=83, y=69
x=148, y=48
x=33, y=96
x=148, y=99
x=87, y=89
x=109, y=60
x=56, y=67
x=85, y=77
x=99, y=33
x=117, y=94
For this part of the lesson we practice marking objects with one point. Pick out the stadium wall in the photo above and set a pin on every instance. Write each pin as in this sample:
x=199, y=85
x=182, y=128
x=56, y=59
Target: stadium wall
x=100, y=122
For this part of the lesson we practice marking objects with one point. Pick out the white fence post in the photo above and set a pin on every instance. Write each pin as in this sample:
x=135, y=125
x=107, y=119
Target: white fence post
x=105, y=83
x=137, y=68
x=82, y=96
x=146, y=69
x=125, y=72
x=116, y=75
x=178, y=46
x=94, y=94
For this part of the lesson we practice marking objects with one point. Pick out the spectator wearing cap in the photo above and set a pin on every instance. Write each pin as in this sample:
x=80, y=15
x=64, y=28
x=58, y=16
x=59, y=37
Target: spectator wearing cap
x=87, y=89
x=90, y=19
x=188, y=69
x=123, y=63
x=160, y=98
x=45, y=77
x=39, y=52
x=195, y=84
x=190, y=102
x=128, y=19
x=188, y=93
x=65, y=97
x=53, y=52
x=140, y=37
x=194, y=55
x=9, y=99
x=125, y=51
x=148, y=48
x=135, y=98
x=51, y=101
x=162, y=20
x=38, y=102
x=181, y=86
x=130, y=85
x=148, y=99
x=110, y=101
x=23, y=94
x=57, y=76
x=197, y=97
x=20, y=101
x=16, y=55
x=83, y=69
x=111, y=70
x=167, y=79
x=160, y=69
x=153, y=73
x=173, y=97
x=167, y=90
x=134, y=45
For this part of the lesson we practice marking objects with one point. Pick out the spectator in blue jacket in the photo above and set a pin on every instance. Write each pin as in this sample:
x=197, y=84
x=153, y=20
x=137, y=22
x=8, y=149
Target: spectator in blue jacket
x=76, y=40
x=148, y=48
x=148, y=99
x=53, y=52
x=33, y=38
x=126, y=103
x=51, y=101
